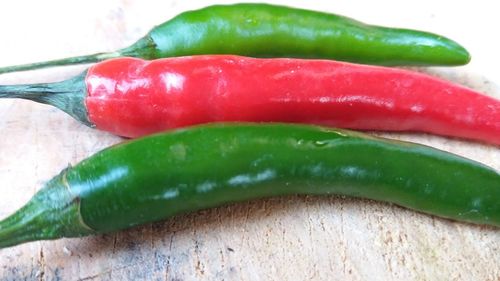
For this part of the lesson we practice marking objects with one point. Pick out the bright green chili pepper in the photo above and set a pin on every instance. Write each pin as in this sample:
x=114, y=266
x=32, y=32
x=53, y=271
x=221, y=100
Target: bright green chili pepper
x=158, y=176
x=263, y=30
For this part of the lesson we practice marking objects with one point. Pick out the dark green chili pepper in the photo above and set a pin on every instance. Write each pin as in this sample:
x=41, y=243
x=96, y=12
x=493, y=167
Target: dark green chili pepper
x=158, y=176
x=263, y=30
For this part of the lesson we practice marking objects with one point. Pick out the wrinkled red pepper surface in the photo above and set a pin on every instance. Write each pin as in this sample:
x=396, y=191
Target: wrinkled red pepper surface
x=133, y=97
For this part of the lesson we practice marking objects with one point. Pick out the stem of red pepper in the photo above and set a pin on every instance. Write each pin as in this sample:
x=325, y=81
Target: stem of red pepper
x=67, y=95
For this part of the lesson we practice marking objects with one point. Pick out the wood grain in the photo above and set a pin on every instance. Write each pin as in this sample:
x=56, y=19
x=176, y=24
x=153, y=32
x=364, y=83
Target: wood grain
x=289, y=238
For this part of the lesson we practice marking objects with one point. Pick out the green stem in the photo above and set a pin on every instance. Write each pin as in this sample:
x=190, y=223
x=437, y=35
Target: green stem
x=143, y=48
x=38, y=220
x=68, y=95
x=60, y=62
x=23, y=226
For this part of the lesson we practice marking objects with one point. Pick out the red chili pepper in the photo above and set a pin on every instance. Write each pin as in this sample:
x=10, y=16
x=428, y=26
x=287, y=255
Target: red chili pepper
x=132, y=97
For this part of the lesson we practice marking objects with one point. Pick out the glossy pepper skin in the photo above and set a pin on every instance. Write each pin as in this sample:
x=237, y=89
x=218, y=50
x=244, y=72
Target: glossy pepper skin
x=132, y=97
x=162, y=175
x=263, y=30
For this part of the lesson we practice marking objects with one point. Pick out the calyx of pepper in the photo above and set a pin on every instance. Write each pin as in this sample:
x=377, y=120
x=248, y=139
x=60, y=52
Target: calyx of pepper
x=68, y=96
x=53, y=212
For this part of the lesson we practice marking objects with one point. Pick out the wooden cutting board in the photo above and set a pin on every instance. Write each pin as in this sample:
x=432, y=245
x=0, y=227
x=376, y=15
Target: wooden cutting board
x=290, y=238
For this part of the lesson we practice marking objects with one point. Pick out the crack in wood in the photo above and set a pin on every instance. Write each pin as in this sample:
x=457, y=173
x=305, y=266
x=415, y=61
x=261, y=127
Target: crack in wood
x=41, y=264
x=109, y=271
x=114, y=244
x=167, y=267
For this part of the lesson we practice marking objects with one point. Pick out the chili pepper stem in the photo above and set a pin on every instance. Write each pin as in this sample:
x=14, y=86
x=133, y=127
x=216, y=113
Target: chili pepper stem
x=139, y=49
x=67, y=95
x=37, y=220
x=22, y=228
x=61, y=62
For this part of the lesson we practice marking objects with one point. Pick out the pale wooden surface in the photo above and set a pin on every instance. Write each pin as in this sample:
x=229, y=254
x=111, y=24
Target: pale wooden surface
x=292, y=238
